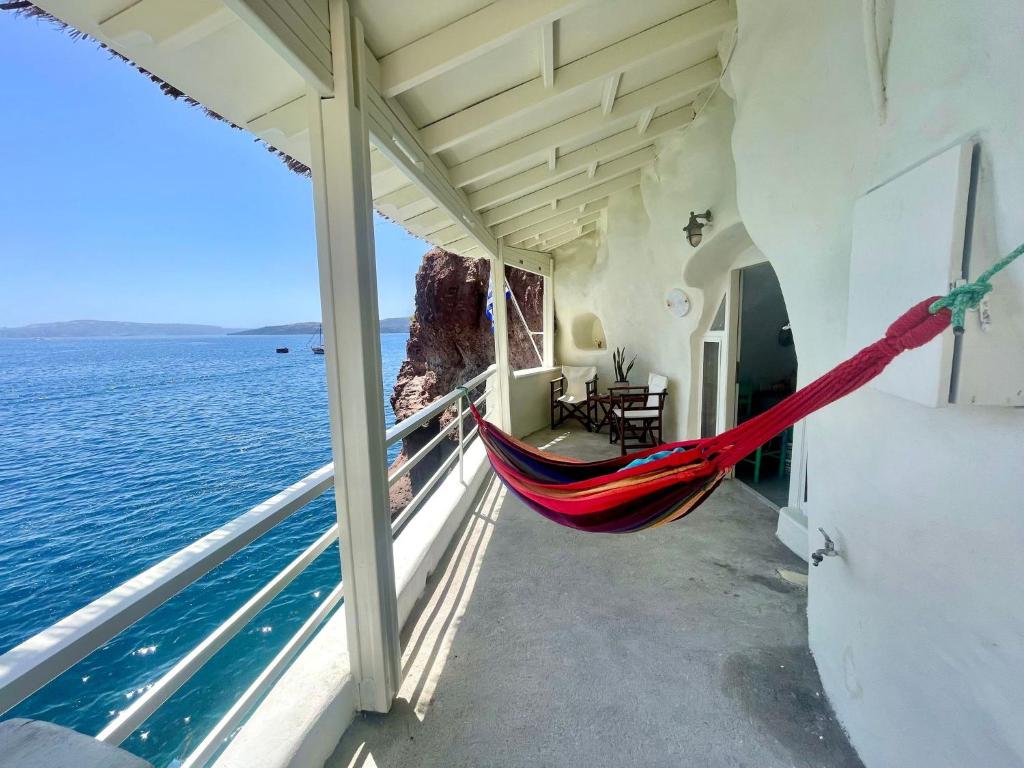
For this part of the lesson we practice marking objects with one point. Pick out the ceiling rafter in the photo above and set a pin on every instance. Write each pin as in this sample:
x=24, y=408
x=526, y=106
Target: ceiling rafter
x=567, y=187
x=586, y=157
x=677, y=87
x=407, y=195
x=558, y=242
x=149, y=20
x=569, y=203
x=611, y=90
x=532, y=230
x=547, y=54
x=562, y=229
x=288, y=32
x=429, y=223
x=645, y=121
x=670, y=38
x=464, y=40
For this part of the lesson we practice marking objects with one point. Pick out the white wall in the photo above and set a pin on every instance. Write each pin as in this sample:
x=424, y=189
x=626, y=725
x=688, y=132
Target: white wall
x=623, y=273
x=530, y=396
x=918, y=630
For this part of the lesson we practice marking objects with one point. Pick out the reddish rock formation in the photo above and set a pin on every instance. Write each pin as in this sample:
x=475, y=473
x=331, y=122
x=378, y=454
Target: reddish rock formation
x=450, y=341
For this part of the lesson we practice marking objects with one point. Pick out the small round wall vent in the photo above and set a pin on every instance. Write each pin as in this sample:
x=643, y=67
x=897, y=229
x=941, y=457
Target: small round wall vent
x=677, y=303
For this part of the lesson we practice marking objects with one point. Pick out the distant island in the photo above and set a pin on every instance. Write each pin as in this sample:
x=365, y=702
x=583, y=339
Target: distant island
x=93, y=328
x=387, y=325
x=116, y=328
x=394, y=324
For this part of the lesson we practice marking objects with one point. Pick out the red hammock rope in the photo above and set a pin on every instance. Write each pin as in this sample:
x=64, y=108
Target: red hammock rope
x=621, y=495
x=913, y=329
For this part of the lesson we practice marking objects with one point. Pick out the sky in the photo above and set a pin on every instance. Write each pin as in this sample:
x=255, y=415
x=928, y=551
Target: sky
x=119, y=203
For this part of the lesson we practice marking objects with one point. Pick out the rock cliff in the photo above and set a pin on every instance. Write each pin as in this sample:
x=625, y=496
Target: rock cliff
x=450, y=341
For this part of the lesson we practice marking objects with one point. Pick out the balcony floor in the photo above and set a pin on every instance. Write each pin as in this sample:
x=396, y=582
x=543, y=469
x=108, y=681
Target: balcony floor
x=538, y=645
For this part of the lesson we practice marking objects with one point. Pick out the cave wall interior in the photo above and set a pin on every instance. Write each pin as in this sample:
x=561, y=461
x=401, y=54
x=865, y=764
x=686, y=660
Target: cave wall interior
x=917, y=629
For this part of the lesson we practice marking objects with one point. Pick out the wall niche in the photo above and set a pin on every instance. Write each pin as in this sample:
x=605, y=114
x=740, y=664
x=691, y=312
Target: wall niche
x=588, y=332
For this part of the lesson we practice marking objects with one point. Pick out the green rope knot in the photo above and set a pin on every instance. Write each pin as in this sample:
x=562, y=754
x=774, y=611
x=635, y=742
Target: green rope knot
x=970, y=295
x=961, y=299
x=464, y=391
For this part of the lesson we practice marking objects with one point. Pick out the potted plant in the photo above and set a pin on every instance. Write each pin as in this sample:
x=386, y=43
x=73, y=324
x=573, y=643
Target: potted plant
x=618, y=361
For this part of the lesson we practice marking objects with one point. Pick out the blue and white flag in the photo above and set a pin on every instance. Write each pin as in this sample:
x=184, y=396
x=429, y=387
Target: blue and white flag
x=489, y=309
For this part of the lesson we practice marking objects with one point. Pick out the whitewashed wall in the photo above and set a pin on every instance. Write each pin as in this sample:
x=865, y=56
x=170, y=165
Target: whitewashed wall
x=623, y=273
x=918, y=630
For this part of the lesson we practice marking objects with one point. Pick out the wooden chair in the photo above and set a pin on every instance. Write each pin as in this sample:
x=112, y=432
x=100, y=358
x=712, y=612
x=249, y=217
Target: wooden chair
x=744, y=399
x=637, y=413
x=779, y=448
x=573, y=395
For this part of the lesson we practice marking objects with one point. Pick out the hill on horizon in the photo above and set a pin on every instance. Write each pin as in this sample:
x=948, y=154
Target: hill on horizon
x=96, y=328
x=387, y=325
x=70, y=329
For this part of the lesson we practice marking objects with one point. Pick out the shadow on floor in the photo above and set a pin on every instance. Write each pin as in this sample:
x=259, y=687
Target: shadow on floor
x=539, y=645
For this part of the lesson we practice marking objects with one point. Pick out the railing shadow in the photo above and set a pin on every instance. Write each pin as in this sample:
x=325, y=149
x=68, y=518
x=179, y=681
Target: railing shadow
x=428, y=637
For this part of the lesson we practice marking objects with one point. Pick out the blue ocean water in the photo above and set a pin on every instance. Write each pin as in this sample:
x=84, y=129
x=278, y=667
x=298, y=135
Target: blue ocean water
x=115, y=453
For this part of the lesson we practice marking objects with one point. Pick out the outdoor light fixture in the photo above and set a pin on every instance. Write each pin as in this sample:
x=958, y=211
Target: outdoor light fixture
x=695, y=227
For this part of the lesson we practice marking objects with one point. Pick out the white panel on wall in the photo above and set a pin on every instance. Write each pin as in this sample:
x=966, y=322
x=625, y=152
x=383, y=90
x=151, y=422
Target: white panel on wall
x=990, y=365
x=908, y=244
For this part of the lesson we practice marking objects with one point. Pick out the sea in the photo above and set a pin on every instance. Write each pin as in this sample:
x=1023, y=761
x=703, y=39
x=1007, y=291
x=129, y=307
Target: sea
x=115, y=453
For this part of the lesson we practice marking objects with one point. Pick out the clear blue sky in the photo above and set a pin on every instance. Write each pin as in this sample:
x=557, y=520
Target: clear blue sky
x=119, y=203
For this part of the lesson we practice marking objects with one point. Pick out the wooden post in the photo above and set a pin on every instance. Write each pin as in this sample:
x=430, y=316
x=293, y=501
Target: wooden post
x=503, y=376
x=340, y=162
x=549, y=315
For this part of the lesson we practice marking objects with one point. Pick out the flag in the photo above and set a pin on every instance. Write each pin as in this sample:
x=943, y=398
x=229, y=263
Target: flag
x=489, y=309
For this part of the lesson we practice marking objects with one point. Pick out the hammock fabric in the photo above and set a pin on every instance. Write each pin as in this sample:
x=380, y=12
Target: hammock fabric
x=662, y=484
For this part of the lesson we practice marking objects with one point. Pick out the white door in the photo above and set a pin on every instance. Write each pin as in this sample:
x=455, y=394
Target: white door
x=715, y=379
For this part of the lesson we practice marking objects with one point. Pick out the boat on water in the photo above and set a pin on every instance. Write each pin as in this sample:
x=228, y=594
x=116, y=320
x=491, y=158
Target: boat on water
x=281, y=350
x=317, y=347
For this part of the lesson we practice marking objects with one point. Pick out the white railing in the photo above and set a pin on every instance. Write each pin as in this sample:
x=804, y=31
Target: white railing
x=420, y=419
x=35, y=662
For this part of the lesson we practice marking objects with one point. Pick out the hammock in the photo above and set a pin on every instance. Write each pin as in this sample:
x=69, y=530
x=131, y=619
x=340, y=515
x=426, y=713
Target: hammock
x=662, y=484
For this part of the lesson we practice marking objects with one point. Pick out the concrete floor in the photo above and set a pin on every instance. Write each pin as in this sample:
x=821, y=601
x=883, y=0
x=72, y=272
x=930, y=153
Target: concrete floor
x=771, y=486
x=539, y=645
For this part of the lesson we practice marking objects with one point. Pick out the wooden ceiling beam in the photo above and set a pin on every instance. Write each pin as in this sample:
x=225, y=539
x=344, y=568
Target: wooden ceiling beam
x=688, y=31
x=466, y=39
x=572, y=162
x=567, y=187
x=677, y=87
x=547, y=54
x=558, y=242
x=532, y=230
x=301, y=37
x=569, y=204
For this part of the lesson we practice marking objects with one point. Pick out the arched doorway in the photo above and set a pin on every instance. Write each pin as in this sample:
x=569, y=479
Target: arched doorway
x=748, y=363
x=766, y=367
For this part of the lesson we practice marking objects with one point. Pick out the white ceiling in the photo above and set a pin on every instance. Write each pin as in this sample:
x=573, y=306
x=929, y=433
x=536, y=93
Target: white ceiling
x=469, y=77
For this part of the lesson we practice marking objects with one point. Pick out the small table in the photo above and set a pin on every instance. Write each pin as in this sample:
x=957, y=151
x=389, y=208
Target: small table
x=603, y=405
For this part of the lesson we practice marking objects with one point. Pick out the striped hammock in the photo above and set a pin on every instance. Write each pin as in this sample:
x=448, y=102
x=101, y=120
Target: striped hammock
x=662, y=484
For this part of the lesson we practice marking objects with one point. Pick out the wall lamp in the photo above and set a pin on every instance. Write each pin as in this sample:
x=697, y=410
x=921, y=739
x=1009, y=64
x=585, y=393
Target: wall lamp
x=695, y=227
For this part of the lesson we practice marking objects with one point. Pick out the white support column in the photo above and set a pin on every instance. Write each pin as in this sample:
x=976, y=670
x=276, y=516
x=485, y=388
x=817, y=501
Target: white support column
x=549, y=317
x=503, y=377
x=340, y=163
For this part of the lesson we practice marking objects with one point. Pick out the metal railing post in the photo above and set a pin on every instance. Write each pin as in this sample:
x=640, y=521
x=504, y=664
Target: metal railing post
x=462, y=440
